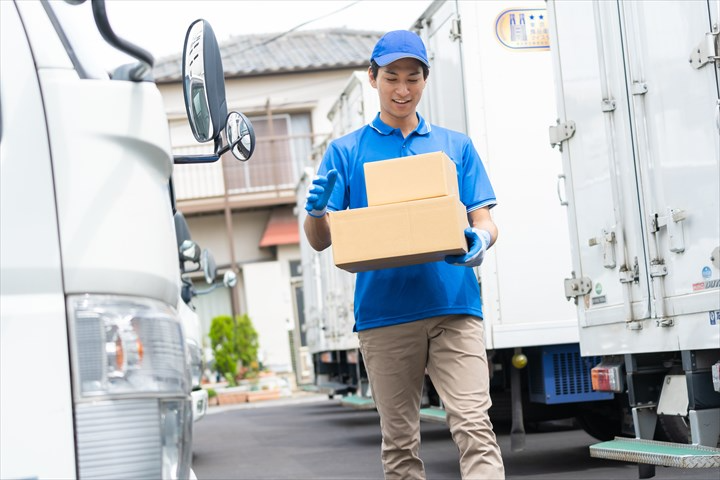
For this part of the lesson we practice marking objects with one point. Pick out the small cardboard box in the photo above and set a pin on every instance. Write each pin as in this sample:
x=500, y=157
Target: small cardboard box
x=410, y=178
x=398, y=234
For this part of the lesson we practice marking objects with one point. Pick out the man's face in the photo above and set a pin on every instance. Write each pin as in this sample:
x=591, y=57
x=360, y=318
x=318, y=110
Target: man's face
x=400, y=86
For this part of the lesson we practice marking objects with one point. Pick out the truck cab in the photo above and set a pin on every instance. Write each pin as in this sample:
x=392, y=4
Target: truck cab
x=94, y=363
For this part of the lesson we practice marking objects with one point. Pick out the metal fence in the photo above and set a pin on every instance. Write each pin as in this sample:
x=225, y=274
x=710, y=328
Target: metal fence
x=276, y=164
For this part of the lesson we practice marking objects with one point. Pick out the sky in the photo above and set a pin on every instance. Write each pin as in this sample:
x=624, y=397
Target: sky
x=159, y=26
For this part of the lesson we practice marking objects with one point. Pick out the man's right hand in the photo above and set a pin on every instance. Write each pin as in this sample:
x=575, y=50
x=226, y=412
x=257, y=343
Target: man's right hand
x=319, y=194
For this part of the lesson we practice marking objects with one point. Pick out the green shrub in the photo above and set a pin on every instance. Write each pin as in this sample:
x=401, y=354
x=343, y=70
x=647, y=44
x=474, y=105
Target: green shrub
x=211, y=393
x=235, y=345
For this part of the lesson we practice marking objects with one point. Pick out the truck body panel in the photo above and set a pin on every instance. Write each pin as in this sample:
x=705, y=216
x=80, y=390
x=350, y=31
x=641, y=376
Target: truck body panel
x=642, y=173
x=33, y=341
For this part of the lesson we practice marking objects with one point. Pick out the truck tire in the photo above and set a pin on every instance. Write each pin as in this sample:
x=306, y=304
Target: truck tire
x=604, y=420
x=600, y=427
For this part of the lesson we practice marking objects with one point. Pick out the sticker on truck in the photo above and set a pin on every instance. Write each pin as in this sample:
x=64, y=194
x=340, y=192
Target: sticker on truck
x=523, y=29
x=715, y=283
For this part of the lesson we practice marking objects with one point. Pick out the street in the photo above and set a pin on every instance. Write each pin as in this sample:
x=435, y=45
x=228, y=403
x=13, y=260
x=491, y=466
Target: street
x=320, y=439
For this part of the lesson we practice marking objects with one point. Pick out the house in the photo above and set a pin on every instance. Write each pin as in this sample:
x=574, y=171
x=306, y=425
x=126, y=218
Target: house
x=244, y=211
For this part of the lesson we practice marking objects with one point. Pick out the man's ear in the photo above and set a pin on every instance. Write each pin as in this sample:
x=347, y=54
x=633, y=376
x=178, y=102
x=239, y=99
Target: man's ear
x=373, y=82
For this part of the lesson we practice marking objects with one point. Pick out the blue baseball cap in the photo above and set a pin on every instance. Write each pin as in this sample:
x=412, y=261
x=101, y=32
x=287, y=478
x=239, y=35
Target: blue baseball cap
x=399, y=44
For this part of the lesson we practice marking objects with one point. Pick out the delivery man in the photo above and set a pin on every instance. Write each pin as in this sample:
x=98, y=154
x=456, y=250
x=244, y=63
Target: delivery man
x=418, y=317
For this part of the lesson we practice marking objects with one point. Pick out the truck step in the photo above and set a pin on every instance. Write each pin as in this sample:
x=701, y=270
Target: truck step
x=657, y=453
x=358, y=402
x=433, y=414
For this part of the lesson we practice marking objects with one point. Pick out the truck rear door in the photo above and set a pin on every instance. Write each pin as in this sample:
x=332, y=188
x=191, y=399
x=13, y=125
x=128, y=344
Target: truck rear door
x=642, y=164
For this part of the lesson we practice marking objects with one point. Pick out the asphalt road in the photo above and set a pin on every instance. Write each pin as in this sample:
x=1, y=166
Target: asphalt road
x=320, y=439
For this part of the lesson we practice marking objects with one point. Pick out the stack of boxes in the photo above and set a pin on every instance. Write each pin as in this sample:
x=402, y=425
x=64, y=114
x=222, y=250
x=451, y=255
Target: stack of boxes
x=414, y=215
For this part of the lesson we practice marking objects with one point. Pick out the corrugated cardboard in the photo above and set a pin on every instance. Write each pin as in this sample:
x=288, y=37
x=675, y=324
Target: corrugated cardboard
x=410, y=178
x=398, y=234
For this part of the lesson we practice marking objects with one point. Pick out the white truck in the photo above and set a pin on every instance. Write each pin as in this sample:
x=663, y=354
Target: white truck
x=328, y=291
x=94, y=366
x=639, y=128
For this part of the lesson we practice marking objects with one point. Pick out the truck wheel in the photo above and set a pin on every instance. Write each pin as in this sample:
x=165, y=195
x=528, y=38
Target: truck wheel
x=673, y=428
x=600, y=427
x=604, y=420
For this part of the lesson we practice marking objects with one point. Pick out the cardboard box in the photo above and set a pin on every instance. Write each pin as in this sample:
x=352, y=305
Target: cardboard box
x=398, y=234
x=410, y=178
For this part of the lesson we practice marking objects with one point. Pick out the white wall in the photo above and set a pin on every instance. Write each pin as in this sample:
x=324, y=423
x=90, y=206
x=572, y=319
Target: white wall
x=315, y=91
x=209, y=231
x=270, y=309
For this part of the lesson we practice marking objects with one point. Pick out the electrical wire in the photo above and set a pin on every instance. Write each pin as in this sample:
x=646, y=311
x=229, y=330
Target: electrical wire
x=276, y=37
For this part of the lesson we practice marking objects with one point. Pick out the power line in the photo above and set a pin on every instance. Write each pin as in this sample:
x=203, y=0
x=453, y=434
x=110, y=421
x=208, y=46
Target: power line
x=276, y=37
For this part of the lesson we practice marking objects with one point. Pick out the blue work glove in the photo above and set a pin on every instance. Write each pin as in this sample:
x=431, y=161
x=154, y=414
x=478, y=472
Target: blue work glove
x=478, y=243
x=319, y=194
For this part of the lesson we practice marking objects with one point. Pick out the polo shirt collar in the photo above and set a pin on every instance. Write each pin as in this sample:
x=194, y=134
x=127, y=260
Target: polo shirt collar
x=423, y=128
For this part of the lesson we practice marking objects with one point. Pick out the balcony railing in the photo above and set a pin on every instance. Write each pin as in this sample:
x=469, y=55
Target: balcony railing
x=273, y=172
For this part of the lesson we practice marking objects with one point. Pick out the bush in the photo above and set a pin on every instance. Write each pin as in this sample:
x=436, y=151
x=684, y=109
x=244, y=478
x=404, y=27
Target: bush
x=211, y=393
x=235, y=343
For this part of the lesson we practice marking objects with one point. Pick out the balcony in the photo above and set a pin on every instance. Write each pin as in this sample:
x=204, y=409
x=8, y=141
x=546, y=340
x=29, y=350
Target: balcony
x=269, y=178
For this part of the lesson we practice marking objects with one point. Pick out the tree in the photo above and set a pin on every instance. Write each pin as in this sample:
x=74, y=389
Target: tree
x=235, y=344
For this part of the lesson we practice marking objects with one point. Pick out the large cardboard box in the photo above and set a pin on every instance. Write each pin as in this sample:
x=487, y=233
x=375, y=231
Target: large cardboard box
x=398, y=234
x=405, y=179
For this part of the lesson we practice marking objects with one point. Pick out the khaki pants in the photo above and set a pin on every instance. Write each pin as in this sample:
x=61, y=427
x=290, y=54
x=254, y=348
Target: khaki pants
x=452, y=349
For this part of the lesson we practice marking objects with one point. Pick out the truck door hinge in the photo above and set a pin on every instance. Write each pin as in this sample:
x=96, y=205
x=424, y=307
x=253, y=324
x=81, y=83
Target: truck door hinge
x=608, y=105
x=456, y=30
x=672, y=221
x=708, y=50
x=575, y=287
x=608, y=246
x=639, y=88
x=561, y=132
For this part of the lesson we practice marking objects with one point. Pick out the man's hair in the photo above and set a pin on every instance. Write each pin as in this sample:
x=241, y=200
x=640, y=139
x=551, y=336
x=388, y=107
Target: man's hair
x=374, y=68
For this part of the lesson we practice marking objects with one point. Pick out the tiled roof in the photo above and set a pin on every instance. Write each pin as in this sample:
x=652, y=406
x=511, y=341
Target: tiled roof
x=309, y=50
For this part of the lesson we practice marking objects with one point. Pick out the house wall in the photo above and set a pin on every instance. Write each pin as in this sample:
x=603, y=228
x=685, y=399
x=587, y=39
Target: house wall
x=316, y=92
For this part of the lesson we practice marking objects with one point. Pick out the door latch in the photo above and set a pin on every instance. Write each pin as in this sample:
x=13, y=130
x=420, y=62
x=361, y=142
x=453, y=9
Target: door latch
x=608, y=246
x=672, y=221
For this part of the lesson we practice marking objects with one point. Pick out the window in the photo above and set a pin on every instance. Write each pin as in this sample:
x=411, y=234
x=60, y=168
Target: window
x=281, y=149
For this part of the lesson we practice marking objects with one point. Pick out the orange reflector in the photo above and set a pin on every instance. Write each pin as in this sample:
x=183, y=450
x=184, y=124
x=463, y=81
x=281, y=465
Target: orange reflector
x=119, y=353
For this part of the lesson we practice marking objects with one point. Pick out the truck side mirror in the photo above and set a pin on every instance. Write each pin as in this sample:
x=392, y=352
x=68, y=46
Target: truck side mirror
x=230, y=279
x=203, y=82
x=240, y=136
x=208, y=266
x=189, y=251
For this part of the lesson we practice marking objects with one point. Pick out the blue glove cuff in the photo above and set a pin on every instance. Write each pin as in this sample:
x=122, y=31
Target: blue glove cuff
x=317, y=213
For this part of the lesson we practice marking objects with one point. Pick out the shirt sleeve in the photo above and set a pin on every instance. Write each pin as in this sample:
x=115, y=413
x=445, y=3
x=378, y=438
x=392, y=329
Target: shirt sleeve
x=476, y=191
x=335, y=158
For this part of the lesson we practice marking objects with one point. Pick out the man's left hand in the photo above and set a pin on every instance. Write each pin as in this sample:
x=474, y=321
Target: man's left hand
x=478, y=243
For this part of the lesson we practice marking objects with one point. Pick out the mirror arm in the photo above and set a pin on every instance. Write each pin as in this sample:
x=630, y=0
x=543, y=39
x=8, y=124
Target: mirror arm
x=188, y=159
x=210, y=158
x=137, y=73
x=207, y=290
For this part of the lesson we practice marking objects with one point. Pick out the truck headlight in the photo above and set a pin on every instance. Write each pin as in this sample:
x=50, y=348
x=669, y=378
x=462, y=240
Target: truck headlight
x=131, y=380
x=126, y=345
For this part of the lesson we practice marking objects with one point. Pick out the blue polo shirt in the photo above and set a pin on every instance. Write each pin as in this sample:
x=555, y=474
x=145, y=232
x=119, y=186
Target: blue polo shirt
x=405, y=294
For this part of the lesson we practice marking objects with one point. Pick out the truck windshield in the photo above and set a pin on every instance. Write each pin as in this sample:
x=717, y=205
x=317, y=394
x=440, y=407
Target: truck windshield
x=92, y=55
